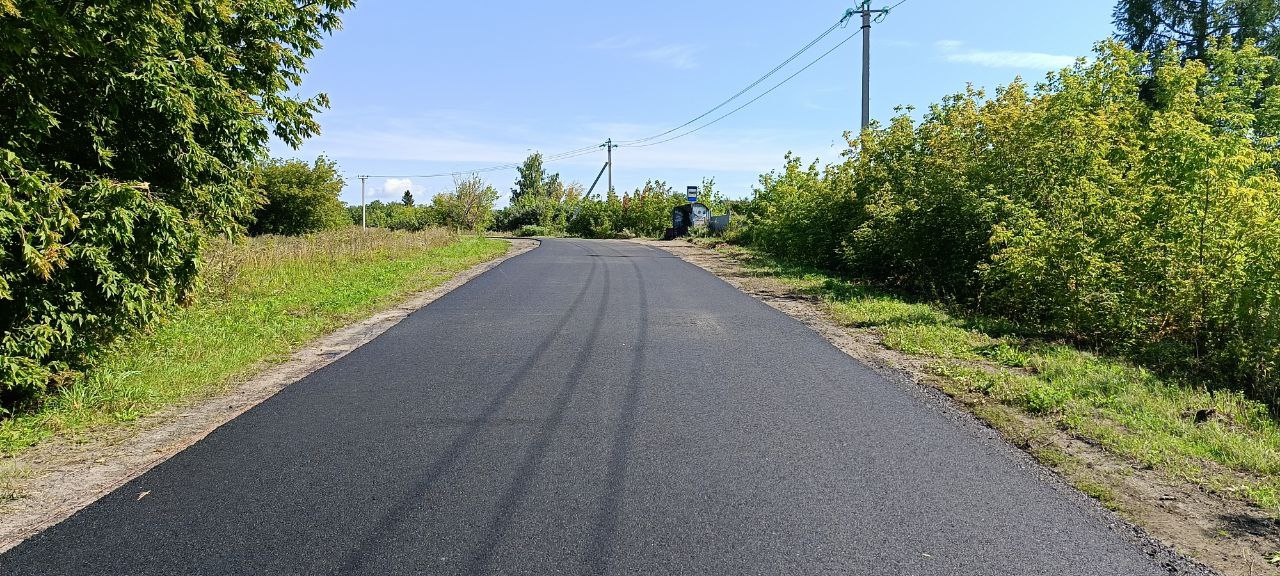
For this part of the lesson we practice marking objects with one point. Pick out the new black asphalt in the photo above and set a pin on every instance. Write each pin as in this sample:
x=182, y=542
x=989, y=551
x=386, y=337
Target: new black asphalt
x=592, y=408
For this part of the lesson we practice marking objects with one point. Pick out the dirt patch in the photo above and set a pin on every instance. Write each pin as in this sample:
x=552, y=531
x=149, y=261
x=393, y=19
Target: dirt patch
x=1196, y=528
x=44, y=485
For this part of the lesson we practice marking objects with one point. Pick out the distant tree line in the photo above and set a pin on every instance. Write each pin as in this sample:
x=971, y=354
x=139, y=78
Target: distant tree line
x=467, y=206
x=542, y=204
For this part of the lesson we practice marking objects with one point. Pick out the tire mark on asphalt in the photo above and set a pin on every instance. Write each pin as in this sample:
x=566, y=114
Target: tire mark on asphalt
x=391, y=522
x=528, y=468
x=600, y=549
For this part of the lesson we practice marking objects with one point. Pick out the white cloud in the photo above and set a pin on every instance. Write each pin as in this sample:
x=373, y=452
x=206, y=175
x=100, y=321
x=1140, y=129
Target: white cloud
x=393, y=189
x=948, y=45
x=953, y=51
x=679, y=56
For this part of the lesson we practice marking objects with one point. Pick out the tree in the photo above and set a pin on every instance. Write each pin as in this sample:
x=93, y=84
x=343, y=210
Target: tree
x=469, y=206
x=298, y=198
x=407, y=199
x=534, y=180
x=1149, y=25
x=128, y=128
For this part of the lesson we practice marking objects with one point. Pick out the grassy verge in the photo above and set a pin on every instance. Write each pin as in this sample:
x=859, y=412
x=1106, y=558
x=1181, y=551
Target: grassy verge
x=262, y=299
x=1216, y=439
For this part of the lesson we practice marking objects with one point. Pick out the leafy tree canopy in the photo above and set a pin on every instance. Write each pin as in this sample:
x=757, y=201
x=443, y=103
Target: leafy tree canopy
x=182, y=95
x=127, y=129
x=1149, y=25
x=298, y=198
x=534, y=180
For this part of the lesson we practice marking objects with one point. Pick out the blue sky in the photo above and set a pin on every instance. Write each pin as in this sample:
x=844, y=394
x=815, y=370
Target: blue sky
x=426, y=87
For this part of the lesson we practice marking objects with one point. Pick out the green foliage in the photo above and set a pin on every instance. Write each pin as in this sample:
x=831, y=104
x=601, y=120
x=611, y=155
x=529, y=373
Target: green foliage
x=298, y=198
x=127, y=129
x=403, y=218
x=1111, y=403
x=533, y=180
x=1150, y=25
x=552, y=208
x=647, y=210
x=407, y=199
x=266, y=296
x=530, y=230
x=593, y=219
x=79, y=266
x=469, y=206
x=1081, y=208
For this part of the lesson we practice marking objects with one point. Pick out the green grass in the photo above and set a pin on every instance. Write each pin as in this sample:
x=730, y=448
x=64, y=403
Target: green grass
x=1110, y=402
x=262, y=299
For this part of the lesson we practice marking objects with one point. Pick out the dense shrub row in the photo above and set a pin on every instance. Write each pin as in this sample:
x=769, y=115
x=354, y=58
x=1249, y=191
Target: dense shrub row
x=1125, y=204
x=468, y=206
x=646, y=211
x=127, y=133
x=298, y=197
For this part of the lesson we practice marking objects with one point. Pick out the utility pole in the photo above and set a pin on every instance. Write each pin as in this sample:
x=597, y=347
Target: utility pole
x=362, y=215
x=866, y=58
x=609, y=146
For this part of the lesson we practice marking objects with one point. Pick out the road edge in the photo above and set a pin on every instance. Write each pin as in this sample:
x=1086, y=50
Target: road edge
x=63, y=476
x=807, y=313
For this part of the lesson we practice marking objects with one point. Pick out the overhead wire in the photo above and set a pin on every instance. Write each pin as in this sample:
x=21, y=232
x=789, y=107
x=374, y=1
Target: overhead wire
x=661, y=138
x=753, y=100
x=842, y=21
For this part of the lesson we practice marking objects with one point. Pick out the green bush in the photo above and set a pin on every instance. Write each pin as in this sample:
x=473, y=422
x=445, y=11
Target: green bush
x=80, y=266
x=534, y=230
x=592, y=219
x=298, y=198
x=532, y=210
x=127, y=130
x=408, y=218
x=1126, y=208
x=469, y=206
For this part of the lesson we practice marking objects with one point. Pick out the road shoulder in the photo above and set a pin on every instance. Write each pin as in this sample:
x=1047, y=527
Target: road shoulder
x=1227, y=536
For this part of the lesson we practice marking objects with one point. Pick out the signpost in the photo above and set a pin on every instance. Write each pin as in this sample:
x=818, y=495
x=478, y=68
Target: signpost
x=692, y=193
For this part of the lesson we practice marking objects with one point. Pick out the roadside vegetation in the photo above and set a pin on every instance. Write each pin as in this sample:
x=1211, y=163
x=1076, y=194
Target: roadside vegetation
x=120, y=159
x=467, y=206
x=260, y=299
x=1126, y=205
x=152, y=251
x=1096, y=254
x=1220, y=440
x=542, y=205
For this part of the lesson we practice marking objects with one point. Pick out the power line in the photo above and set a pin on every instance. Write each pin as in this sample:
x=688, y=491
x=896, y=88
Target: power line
x=658, y=138
x=751, y=101
x=842, y=21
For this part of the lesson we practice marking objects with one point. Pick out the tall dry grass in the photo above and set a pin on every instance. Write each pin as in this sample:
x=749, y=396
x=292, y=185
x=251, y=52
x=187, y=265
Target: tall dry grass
x=224, y=260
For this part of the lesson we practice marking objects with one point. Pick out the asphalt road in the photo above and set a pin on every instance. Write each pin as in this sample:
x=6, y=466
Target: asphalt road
x=592, y=408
